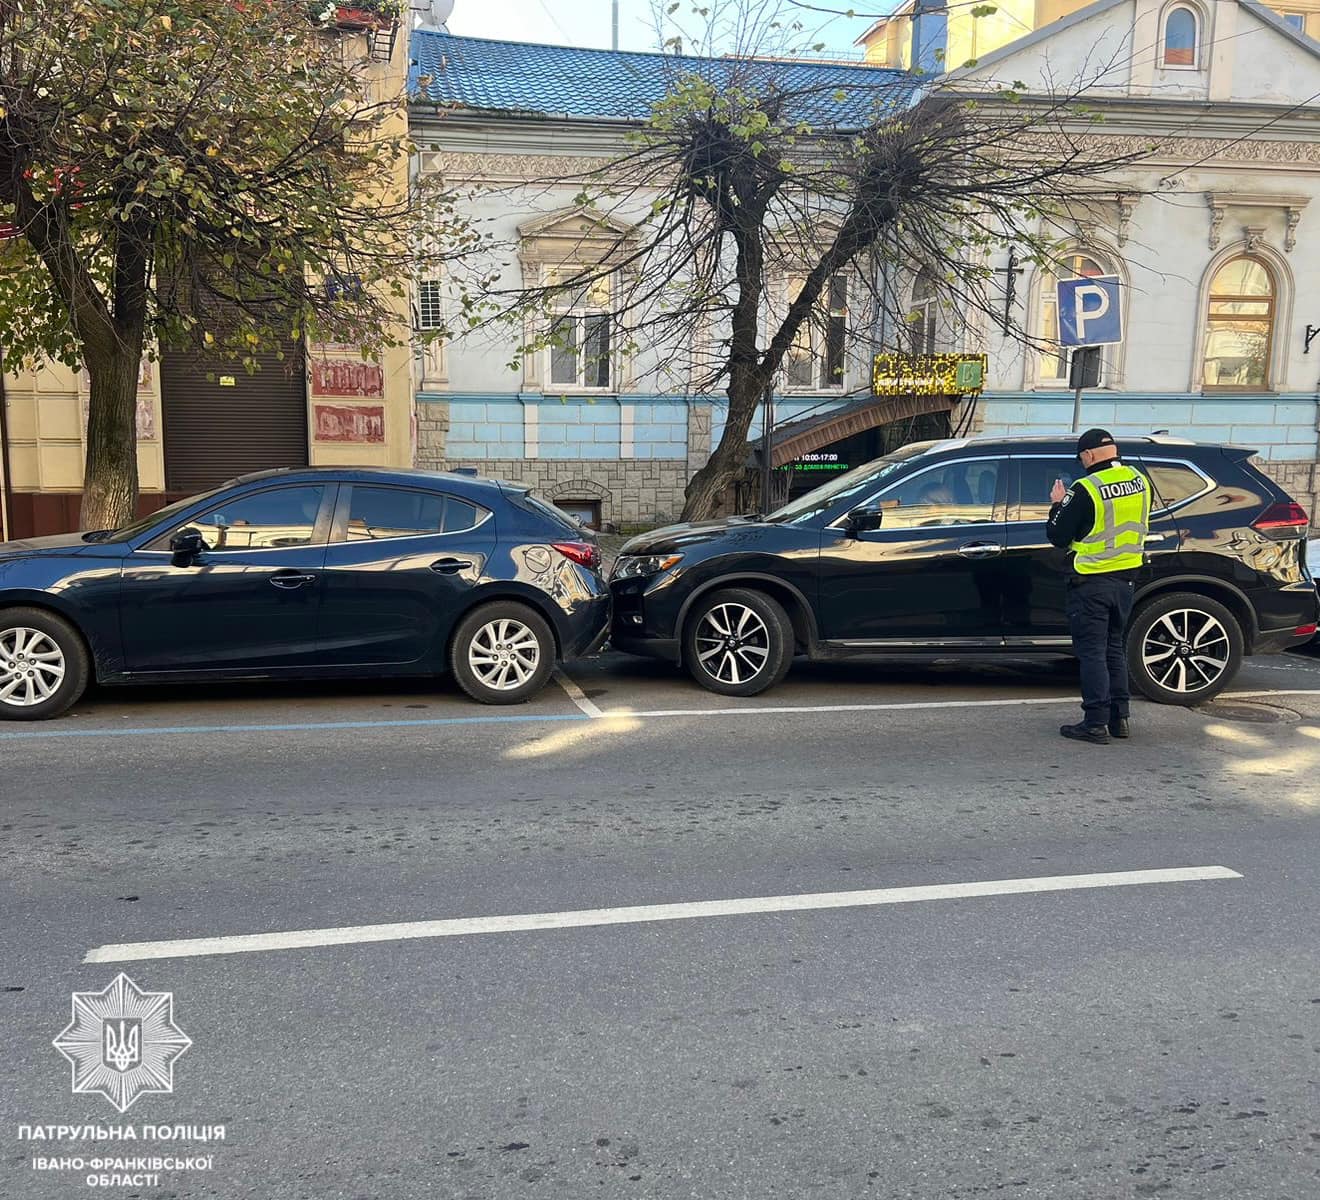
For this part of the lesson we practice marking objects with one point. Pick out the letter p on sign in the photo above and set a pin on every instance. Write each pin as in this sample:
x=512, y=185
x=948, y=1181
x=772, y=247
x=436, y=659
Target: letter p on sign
x=1090, y=313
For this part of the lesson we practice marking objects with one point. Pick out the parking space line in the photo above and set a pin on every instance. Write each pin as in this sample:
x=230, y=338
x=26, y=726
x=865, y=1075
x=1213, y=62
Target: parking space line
x=302, y=939
x=577, y=695
x=291, y=727
x=590, y=712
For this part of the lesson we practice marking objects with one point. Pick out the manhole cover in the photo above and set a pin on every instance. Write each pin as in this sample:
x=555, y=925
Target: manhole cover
x=1250, y=712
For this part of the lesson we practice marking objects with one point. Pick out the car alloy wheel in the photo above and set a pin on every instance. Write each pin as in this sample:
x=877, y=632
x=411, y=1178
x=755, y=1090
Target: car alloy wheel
x=32, y=667
x=504, y=654
x=1186, y=650
x=737, y=642
x=732, y=644
x=1183, y=648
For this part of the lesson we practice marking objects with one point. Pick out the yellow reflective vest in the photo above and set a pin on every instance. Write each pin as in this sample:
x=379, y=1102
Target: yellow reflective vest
x=1121, y=499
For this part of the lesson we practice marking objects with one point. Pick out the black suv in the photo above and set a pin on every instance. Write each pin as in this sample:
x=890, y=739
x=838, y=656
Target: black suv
x=941, y=547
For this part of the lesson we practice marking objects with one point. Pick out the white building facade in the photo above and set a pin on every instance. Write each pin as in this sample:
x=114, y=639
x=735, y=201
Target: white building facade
x=1215, y=236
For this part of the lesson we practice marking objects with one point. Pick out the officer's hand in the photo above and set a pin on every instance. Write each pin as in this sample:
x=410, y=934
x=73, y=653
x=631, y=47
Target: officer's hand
x=1058, y=492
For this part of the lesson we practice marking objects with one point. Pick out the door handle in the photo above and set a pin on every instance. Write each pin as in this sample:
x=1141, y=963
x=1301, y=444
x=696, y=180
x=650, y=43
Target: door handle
x=980, y=549
x=1155, y=537
x=289, y=580
x=450, y=566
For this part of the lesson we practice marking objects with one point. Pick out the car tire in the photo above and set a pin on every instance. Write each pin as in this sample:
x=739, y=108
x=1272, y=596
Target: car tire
x=44, y=664
x=761, y=630
x=502, y=653
x=1174, y=642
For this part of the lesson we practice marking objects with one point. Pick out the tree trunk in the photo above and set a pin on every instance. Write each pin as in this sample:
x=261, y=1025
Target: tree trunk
x=729, y=459
x=110, y=479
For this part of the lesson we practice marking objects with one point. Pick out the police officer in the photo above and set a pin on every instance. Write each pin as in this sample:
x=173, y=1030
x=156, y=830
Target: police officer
x=1103, y=519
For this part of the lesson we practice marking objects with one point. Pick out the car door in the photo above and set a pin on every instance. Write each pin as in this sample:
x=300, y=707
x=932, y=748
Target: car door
x=930, y=573
x=401, y=566
x=248, y=603
x=1036, y=573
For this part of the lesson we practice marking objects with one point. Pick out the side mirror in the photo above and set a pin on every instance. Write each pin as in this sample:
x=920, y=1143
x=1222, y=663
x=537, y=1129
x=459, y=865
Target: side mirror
x=862, y=520
x=186, y=547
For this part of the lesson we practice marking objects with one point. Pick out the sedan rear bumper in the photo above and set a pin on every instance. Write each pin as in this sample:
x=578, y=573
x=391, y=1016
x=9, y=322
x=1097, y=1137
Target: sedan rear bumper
x=588, y=626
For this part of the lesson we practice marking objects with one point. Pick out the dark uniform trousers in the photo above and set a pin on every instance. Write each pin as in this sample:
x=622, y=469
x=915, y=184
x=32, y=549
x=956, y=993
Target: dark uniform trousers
x=1098, y=610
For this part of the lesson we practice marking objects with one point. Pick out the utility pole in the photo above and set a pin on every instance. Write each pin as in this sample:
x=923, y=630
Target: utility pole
x=614, y=25
x=768, y=417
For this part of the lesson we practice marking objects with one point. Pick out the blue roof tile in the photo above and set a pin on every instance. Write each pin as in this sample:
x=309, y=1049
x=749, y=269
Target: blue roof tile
x=576, y=82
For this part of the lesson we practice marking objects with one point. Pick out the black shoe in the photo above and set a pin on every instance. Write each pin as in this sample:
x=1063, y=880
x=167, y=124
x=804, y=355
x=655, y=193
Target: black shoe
x=1118, y=727
x=1096, y=734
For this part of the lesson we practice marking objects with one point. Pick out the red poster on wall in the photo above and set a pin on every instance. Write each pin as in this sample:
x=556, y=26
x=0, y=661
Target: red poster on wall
x=349, y=423
x=331, y=377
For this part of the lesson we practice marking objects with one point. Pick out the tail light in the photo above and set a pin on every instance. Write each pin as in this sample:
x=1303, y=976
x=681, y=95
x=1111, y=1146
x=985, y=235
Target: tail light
x=585, y=554
x=1282, y=520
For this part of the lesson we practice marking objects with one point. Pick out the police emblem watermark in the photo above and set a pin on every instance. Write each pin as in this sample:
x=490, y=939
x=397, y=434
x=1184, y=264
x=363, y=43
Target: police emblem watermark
x=123, y=1042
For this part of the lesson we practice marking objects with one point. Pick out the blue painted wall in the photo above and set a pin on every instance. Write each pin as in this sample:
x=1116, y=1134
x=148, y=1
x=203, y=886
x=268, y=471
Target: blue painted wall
x=1280, y=427
x=492, y=425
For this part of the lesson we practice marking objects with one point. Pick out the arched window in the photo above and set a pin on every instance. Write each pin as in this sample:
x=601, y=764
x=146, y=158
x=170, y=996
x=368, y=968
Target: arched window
x=923, y=316
x=1239, y=322
x=1181, y=38
x=1054, y=360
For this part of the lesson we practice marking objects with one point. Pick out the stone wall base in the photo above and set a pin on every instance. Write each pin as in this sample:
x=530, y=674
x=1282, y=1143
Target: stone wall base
x=629, y=491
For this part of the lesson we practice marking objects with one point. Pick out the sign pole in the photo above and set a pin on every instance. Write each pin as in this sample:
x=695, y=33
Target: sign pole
x=768, y=419
x=1077, y=409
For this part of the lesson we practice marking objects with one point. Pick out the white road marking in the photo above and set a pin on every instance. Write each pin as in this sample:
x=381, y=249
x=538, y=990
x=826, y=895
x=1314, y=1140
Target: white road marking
x=1269, y=692
x=577, y=695
x=748, y=710
x=300, y=939
x=586, y=711
x=755, y=710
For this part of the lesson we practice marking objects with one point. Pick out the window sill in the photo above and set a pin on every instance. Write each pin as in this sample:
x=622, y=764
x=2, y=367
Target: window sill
x=1229, y=390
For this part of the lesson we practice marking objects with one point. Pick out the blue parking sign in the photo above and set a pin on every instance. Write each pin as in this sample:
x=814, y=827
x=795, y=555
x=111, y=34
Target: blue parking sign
x=1089, y=311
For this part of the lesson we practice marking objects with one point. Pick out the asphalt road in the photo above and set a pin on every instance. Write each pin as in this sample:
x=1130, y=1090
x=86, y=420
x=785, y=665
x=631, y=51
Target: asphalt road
x=1151, y=1039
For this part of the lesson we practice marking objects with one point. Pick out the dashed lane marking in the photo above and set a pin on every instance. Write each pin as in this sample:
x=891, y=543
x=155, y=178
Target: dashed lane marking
x=302, y=939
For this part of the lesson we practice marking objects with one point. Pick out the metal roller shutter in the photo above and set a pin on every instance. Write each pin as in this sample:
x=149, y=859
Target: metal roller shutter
x=214, y=432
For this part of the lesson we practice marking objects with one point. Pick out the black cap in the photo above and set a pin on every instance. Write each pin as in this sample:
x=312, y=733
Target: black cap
x=1093, y=439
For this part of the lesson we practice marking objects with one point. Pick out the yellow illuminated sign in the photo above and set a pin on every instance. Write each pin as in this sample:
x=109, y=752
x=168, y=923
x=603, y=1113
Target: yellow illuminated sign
x=928, y=374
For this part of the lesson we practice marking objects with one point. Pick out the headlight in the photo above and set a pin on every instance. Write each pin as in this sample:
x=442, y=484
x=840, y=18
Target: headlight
x=635, y=566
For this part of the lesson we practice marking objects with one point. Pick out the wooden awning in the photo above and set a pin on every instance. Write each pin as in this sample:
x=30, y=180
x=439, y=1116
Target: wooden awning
x=802, y=437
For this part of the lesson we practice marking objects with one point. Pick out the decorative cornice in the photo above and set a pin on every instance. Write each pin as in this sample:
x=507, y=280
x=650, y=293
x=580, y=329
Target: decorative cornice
x=463, y=167
x=1145, y=149
x=460, y=167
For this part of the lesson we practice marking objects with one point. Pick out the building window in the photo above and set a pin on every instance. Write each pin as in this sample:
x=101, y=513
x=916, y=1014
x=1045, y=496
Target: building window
x=430, y=312
x=1181, y=40
x=922, y=316
x=1055, y=359
x=587, y=512
x=816, y=360
x=1239, y=326
x=581, y=341
x=1296, y=21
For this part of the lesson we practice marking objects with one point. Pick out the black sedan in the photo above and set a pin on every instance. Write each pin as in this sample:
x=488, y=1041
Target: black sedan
x=313, y=573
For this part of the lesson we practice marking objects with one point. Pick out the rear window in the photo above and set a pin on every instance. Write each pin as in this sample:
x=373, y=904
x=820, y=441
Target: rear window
x=542, y=508
x=1173, y=482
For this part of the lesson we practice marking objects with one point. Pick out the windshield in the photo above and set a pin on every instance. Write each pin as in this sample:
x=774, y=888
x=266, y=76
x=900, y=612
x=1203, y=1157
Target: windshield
x=127, y=532
x=857, y=484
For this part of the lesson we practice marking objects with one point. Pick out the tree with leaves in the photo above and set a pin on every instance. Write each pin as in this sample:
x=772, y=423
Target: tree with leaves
x=757, y=171
x=224, y=175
